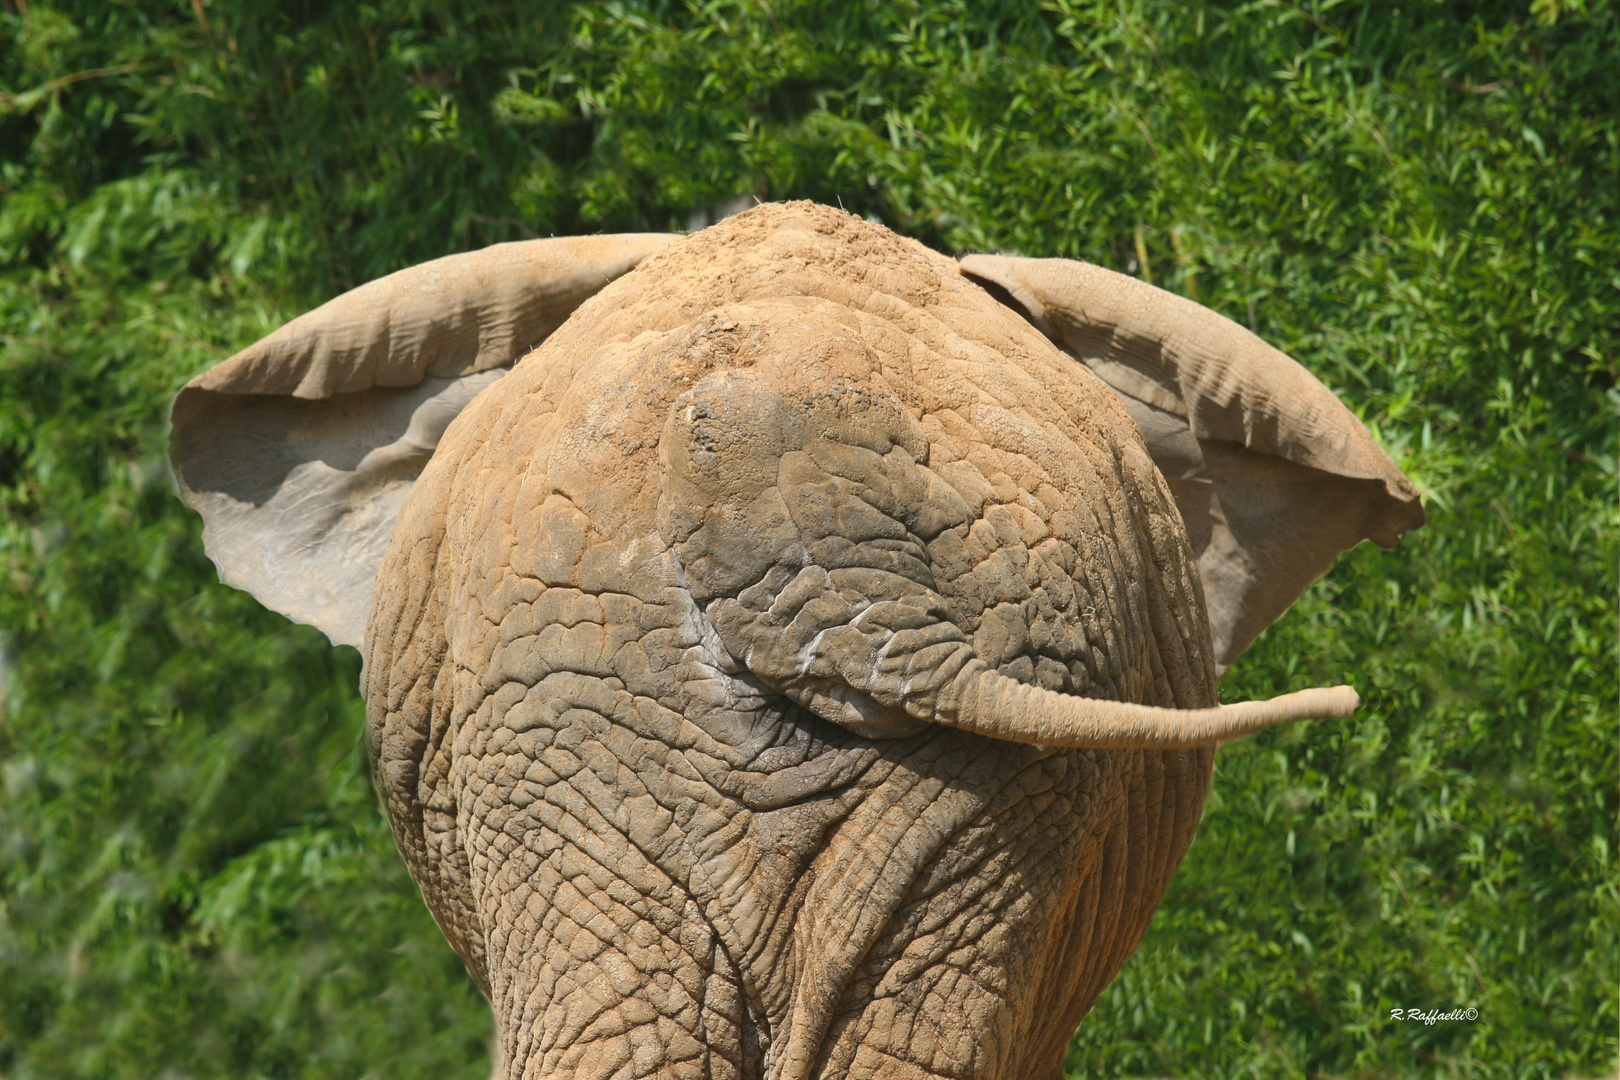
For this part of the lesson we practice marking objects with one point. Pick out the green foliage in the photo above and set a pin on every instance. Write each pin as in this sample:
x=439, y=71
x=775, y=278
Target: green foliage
x=1418, y=202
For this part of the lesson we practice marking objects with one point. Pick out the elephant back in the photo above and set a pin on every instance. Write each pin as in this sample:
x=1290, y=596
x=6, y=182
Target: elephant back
x=565, y=634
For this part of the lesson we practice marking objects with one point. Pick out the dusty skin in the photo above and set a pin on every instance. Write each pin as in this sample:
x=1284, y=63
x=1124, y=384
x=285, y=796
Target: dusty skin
x=802, y=663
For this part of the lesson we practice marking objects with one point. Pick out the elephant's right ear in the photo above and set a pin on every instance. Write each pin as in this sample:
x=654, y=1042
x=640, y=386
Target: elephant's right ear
x=300, y=450
x=1273, y=476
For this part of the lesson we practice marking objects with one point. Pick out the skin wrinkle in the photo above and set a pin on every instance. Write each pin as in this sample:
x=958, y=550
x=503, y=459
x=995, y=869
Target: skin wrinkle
x=651, y=817
x=967, y=878
x=937, y=941
x=969, y=875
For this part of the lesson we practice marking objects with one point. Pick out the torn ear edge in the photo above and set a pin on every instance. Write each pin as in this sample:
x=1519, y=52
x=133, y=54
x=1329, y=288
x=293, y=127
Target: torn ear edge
x=300, y=451
x=1273, y=476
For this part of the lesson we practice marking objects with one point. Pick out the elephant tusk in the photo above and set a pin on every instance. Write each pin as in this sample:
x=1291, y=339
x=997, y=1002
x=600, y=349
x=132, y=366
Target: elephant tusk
x=991, y=704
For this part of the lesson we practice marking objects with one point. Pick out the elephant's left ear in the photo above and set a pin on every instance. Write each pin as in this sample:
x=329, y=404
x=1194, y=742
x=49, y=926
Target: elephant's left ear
x=1273, y=476
x=300, y=450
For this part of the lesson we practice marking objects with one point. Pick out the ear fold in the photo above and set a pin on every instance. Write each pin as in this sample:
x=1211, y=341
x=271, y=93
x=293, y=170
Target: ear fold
x=300, y=450
x=1273, y=476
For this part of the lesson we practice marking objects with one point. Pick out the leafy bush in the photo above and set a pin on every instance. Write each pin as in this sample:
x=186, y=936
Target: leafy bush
x=1418, y=202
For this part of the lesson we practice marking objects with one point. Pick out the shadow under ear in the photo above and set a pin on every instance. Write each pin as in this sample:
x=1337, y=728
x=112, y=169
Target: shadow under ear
x=300, y=451
x=299, y=498
x=1264, y=528
x=1273, y=477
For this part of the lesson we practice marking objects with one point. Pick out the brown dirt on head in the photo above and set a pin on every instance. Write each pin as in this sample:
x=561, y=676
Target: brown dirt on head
x=945, y=344
x=795, y=248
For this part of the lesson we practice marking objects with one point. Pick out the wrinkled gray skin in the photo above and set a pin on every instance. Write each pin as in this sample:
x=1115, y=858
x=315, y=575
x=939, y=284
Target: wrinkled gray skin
x=678, y=644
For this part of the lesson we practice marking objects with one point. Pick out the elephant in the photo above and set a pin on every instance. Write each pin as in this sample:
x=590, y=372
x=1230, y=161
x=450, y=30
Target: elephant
x=788, y=651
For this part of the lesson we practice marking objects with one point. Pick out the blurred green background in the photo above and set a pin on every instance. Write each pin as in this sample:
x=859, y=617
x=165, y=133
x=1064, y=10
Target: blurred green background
x=1417, y=202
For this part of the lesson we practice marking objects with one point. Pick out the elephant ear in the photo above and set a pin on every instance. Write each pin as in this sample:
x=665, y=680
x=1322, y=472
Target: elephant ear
x=300, y=450
x=1273, y=476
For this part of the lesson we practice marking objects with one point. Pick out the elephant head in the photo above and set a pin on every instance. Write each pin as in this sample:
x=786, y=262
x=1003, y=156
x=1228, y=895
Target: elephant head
x=803, y=661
